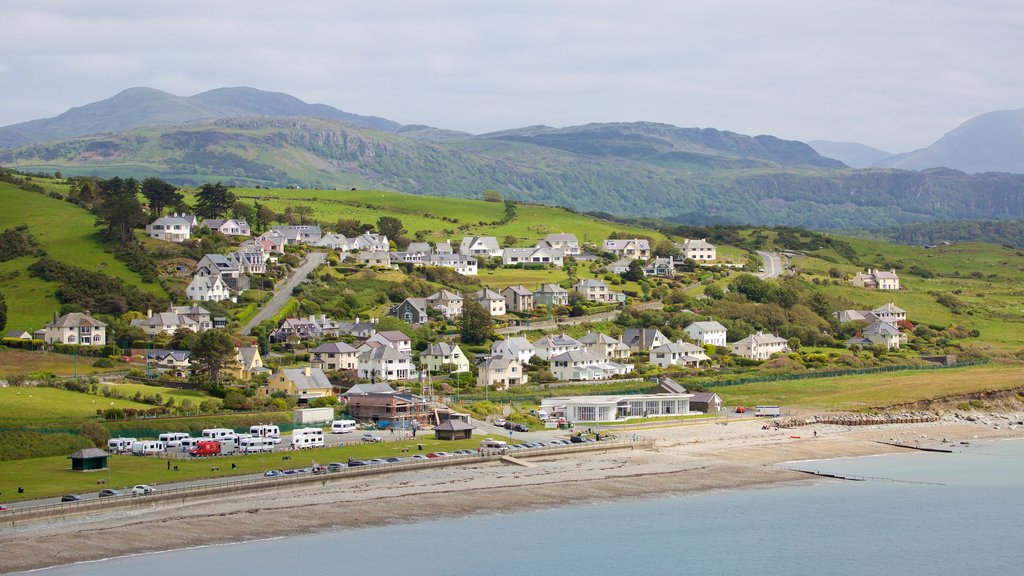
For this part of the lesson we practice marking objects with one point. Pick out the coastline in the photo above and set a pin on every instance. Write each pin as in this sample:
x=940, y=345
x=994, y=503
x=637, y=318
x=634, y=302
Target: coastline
x=687, y=459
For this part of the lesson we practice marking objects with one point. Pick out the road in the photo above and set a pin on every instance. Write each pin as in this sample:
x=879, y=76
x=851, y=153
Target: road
x=280, y=298
x=772, y=263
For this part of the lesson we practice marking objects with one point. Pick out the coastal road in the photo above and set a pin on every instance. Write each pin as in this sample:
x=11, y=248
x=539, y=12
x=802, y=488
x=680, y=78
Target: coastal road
x=772, y=264
x=280, y=298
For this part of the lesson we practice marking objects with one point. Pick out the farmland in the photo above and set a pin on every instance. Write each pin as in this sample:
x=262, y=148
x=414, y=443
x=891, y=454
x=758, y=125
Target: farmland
x=24, y=362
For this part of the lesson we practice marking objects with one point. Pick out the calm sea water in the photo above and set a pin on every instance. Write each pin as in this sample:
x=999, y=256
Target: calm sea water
x=970, y=521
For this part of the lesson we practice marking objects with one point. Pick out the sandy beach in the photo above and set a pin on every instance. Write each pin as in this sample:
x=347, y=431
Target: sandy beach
x=685, y=459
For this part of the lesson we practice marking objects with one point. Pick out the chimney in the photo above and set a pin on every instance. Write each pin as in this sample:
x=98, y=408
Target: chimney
x=54, y=316
x=357, y=319
x=149, y=312
x=306, y=370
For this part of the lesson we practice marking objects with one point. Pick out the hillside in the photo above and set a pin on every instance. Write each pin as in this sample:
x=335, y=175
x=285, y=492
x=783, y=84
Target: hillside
x=67, y=233
x=850, y=153
x=990, y=142
x=137, y=107
x=695, y=176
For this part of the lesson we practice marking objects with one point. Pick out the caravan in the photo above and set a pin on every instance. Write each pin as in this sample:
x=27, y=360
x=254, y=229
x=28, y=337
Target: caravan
x=343, y=426
x=219, y=434
x=187, y=444
x=172, y=439
x=307, y=438
x=255, y=444
x=268, y=431
x=148, y=448
x=120, y=445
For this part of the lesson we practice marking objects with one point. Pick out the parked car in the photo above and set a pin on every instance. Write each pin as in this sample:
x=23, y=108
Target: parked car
x=499, y=422
x=107, y=492
x=142, y=490
x=375, y=461
x=336, y=466
x=577, y=439
x=741, y=409
x=4, y=508
x=520, y=428
x=370, y=437
x=464, y=452
x=508, y=425
x=70, y=498
x=354, y=463
x=273, y=473
x=417, y=457
x=393, y=459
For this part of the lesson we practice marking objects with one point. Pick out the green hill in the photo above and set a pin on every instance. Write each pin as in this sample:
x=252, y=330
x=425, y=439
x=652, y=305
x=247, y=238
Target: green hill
x=640, y=169
x=67, y=233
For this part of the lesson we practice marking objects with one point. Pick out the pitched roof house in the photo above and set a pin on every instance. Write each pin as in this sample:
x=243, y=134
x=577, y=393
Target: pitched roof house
x=493, y=302
x=586, y=365
x=301, y=234
x=485, y=246
x=760, y=346
x=461, y=263
x=444, y=357
x=551, y=345
x=411, y=310
x=499, y=372
x=643, y=339
x=551, y=295
x=537, y=255
x=660, y=268
x=167, y=323
x=605, y=346
x=678, y=354
x=76, y=328
x=514, y=347
x=879, y=333
x=173, y=228
x=302, y=383
x=877, y=279
x=385, y=363
x=632, y=248
x=208, y=289
x=331, y=356
x=707, y=332
x=391, y=338
x=448, y=302
x=699, y=250
x=518, y=298
x=567, y=243
x=229, y=227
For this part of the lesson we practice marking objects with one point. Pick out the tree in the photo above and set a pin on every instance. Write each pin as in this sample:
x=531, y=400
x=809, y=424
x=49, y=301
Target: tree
x=214, y=200
x=350, y=228
x=211, y=351
x=510, y=211
x=665, y=248
x=3, y=313
x=635, y=272
x=243, y=211
x=96, y=433
x=160, y=195
x=476, y=323
x=714, y=292
x=120, y=211
x=390, y=226
x=491, y=196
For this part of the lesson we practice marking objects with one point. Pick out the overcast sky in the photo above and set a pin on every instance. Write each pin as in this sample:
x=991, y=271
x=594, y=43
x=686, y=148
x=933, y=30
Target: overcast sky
x=894, y=74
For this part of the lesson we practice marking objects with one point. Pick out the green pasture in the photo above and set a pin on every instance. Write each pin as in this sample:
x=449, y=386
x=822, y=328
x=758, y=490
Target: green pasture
x=30, y=406
x=14, y=362
x=128, y=389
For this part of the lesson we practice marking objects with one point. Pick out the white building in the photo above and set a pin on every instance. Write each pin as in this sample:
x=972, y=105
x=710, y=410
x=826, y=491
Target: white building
x=567, y=243
x=617, y=408
x=75, y=328
x=173, y=228
x=480, y=246
x=538, y=255
x=632, y=248
x=605, y=346
x=760, y=346
x=586, y=365
x=707, y=332
x=514, y=347
x=445, y=357
x=699, y=250
x=386, y=363
x=208, y=289
x=493, y=302
x=877, y=280
x=229, y=227
x=678, y=354
x=461, y=263
x=499, y=372
x=550, y=345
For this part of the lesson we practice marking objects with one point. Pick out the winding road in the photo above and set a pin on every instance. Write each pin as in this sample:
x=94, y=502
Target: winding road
x=772, y=263
x=281, y=295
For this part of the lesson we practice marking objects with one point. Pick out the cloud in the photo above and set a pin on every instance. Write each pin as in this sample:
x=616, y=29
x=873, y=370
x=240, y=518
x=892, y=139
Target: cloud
x=893, y=75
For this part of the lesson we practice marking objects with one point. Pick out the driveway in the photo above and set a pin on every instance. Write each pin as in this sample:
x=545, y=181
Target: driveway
x=284, y=292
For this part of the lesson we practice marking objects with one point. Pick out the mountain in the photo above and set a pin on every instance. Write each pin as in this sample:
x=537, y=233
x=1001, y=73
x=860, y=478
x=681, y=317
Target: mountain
x=137, y=107
x=992, y=142
x=644, y=169
x=850, y=153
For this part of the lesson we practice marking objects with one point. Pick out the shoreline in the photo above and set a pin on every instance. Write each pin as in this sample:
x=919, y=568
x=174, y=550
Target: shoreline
x=685, y=460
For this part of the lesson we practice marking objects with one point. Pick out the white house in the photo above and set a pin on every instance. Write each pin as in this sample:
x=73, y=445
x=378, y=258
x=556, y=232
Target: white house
x=879, y=333
x=372, y=242
x=632, y=248
x=707, y=332
x=335, y=242
x=594, y=290
x=173, y=228
x=447, y=302
x=617, y=408
x=301, y=234
x=678, y=354
x=480, y=246
x=567, y=243
x=208, y=289
x=660, y=268
x=386, y=363
x=514, y=347
x=75, y=328
x=461, y=263
x=888, y=312
x=513, y=256
x=551, y=345
x=390, y=338
x=760, y=346
x=493, y=302
x=699, y=250
x=605, y=346
x=643, y=339
x=877, y=279
x=499, y=372
x=332, y=356
x=586, y=365
x=229, y=227
x=166, y=323
x=442, y=356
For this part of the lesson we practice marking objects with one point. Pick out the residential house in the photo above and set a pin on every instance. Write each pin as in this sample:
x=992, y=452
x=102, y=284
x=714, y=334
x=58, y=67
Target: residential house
x=174, y=228
x=227, y=268
x=879, y=333
x=706, y=402
x=175, y=362
x=461, y=263
x=332, y=356
x=423, y=248
x=707, y=332
x=605, y=346
x=491, y=301
x=444, y=357
x=198, y=313
x=760, y=346
x=551, y=345
x=371, y=242
x=391, y=407
x=480, y=246
x=567, y=243
x=620, y=266
x=375, y=259
x=888, y=312
x=518, y=298
x=616, y=408
x=18, y=335
x=296, y=329
x=499, y=372
x=586, y=365
x=443, y=247
x=516, y=347
x=411, y=310
x=303, y=384
x=660, y=268
x=385, y=363
x=594, y=290
x=699, y=250
x=251, y=258
x=551, y=295
x=249, y=363
x=208, y=289
x=301, y=234
x=632, y=248
x=678, y=354
x=390, y=338
x=538, y=255
x=643, y=339
x=335, y=242
x=166, y=323
x=877, y=280
x=358, y=328
x=272, y=241
x=449, y=303
x=229, y=227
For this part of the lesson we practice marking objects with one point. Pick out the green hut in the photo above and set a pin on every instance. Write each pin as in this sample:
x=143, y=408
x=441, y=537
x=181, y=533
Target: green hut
x=453, y=430
x=89, y=459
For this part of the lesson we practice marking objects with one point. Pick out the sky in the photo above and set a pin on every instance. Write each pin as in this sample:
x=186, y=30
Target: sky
x=893, y=74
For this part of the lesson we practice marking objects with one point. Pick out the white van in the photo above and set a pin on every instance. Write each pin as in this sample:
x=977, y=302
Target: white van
x=189, y=443
x=255, y=444
x=343, y=426
x=172, y=439
x=219, y=434
x=307, y=438
x=267, y=431
x=148, y=448
x=120, y=444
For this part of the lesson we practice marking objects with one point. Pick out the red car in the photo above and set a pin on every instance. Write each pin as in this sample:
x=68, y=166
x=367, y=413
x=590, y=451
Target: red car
x=741, y=409
x=433, y=455
x=206, y=448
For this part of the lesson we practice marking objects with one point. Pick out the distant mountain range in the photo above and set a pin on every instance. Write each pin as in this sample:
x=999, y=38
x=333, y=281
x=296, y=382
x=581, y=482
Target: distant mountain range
x=249, y=137
x=850, y=153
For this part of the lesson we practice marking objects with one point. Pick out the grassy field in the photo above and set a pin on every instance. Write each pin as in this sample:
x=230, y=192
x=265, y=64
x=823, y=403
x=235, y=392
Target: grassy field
x=874, y=390
x=37, y=405
x=194, y=396
x=42, y=477
x=26, y=362
x=67, y=233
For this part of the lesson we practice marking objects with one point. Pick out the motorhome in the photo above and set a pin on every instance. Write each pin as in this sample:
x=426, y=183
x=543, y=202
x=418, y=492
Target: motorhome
x=267, y=431
x=172, y=439
x=189, y=443
x=307, y=438
x=219, y=434
x=148, y=448
x=121, y=445
x=343, y=426
x=255, y=444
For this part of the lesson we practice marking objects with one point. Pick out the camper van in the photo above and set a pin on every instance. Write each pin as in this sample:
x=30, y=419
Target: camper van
x=269, y=431
x=255, y=444
x=148, y=448
x=307, y=438
x=343, y=426
x=219, y=434
x=120, y=445
x=172, y=439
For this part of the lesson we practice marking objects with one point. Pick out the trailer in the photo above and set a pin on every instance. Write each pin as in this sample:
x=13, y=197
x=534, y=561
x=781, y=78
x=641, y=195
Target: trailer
x=767, y=411
x=148, y=447
x=313, y=415
x=120, y=445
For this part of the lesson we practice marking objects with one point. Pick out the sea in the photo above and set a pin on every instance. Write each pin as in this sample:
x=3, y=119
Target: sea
x=914, y=514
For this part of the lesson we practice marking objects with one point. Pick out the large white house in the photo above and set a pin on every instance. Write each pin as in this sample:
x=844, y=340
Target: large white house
x=461, y=263
x=699, y=250
x=567, y=243
x=537, y=255
x=499, y=372
x=229, y=227
x=707, y=332
x=877, y=279
x=75, y=328
x=551, y=345
x=678, y=354
x=605, y=346
x=493, y=302
x=442, y=357
x=760, y=346
x=514, y=347
x=617, y=408
x=386, y=363
x=586, y=365
x=632, y=248
x=208, y=289
x=480, y=246
x=168, y=323
x=174, y=228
